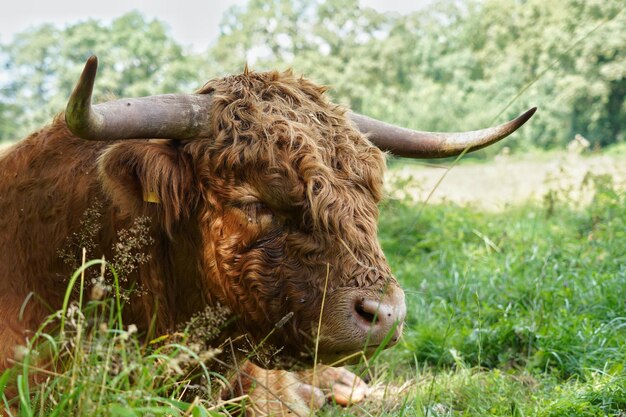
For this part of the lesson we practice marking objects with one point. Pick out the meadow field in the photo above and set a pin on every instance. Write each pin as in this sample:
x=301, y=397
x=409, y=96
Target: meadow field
x=515, y=275
x=516, y=280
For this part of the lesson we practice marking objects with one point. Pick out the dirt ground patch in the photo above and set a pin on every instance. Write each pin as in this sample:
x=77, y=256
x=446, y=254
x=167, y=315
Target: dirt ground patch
x=504, y=181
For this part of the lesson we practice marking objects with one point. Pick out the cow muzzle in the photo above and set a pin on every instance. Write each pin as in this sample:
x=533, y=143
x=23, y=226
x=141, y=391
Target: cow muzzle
x=361, y=320
x=381, y=318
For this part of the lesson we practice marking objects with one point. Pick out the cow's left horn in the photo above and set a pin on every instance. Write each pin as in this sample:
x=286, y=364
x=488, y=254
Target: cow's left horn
x=173, y=116
x=415, y=144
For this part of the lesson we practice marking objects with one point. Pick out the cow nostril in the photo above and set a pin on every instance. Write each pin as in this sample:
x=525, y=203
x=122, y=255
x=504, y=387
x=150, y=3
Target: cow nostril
x=376, y=320
x=365, y=315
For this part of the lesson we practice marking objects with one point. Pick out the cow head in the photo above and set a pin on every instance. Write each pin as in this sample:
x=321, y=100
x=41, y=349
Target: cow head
x=282, y=187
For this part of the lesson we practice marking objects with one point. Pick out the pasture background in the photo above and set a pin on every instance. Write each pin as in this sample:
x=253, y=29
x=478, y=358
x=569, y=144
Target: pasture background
x=514, y=264
x=516, y=307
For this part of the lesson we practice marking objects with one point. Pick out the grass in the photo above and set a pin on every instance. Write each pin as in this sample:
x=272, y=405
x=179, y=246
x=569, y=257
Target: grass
x=520, y=312
x=95, y=365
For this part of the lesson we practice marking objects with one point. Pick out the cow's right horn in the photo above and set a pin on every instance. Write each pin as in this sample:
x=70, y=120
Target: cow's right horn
x=168, y=116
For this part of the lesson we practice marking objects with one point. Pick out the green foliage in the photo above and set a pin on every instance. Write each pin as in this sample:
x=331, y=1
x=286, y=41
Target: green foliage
x=524, y=309
x=454, y=65
x=514, y=289
x=97, y=365
x=137, y=58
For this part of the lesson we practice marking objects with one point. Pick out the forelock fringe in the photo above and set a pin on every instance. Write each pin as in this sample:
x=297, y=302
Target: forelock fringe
x=277, y=122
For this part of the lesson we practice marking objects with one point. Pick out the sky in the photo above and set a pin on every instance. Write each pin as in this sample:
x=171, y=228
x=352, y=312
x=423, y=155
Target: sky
x=193, y=23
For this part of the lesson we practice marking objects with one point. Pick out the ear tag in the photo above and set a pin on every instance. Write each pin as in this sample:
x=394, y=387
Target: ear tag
x=151, y=197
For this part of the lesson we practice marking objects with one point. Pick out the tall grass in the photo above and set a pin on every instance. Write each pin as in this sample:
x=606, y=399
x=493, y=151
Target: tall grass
x=85, y=361
x=521, y=312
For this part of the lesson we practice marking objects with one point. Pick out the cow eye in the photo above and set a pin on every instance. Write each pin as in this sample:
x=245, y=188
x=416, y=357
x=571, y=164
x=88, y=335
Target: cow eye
x=257, y=213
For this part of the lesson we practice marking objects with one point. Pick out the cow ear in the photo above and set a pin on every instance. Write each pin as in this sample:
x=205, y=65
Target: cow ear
x=149, y=178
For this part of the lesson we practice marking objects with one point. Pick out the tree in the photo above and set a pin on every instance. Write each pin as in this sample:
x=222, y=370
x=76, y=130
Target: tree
x=455, y=65
x=137, y=57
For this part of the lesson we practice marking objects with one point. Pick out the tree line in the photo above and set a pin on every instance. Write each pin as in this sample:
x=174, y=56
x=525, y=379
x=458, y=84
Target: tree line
x=453, y=65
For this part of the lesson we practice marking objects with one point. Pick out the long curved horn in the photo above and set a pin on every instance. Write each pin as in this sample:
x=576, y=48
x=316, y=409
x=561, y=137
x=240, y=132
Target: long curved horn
x=415, y=144
x=168, y=116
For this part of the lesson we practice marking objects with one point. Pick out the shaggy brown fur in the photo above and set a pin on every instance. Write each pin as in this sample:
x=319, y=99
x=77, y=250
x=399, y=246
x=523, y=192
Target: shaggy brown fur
x=282, y=194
